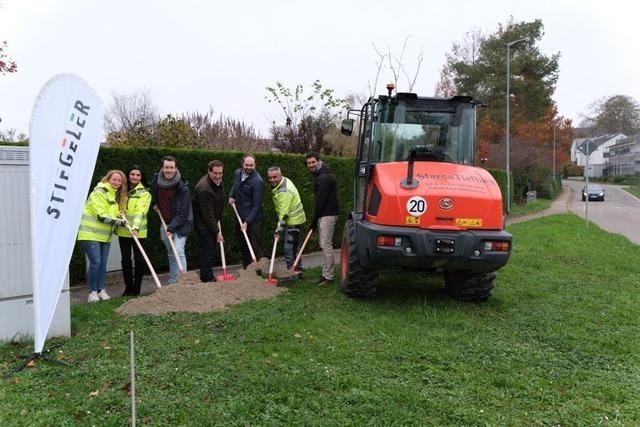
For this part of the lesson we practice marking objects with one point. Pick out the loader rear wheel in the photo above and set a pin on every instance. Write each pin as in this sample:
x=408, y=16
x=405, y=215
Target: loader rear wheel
x=355, y=282
x=469, y=287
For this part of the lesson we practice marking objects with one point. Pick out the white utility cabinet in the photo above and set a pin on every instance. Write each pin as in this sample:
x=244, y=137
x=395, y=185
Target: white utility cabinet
x=16, y=287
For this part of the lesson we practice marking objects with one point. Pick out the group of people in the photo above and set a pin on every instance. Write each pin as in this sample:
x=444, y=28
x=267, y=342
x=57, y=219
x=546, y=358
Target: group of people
x=119, y=204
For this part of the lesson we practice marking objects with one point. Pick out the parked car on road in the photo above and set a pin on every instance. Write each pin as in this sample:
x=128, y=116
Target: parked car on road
x=594, y=192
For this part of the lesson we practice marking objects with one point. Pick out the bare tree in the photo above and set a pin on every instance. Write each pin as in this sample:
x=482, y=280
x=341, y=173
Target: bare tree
x=397, y=66
x=130, y=111
x=382, y=57
x=225, y=133
x=617, y=113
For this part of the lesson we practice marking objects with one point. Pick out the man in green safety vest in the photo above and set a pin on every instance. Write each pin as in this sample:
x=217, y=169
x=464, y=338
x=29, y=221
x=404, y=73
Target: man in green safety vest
x=290, y=214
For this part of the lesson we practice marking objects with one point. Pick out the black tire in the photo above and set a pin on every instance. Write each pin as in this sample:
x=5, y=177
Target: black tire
x=469, y=287
x=355, y=282
x=583, y=199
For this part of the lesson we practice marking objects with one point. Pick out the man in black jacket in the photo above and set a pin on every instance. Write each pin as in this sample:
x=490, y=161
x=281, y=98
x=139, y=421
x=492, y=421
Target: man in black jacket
x=208, y=201
x=171, y=199
x=326, y=212
x=247, y=193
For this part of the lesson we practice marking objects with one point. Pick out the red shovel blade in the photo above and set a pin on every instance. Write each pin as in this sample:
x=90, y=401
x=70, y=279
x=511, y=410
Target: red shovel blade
x=225, y=278
x=272, y=281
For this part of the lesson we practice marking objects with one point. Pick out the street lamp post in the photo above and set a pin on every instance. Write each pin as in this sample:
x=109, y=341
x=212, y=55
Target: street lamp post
x=509, y=46
x=554, y=152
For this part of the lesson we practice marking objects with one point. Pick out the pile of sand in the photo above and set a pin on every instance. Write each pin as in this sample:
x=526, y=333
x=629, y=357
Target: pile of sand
x=191, y=295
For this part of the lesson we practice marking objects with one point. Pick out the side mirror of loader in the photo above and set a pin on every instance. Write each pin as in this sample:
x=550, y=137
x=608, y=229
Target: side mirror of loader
x=346, y=128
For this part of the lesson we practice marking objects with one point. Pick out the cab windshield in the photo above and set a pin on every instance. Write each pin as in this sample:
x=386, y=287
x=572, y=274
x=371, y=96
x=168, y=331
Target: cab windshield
x=436, y=129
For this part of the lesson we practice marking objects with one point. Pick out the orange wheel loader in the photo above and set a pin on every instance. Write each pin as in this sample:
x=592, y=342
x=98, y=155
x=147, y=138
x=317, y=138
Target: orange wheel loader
x=419, y=201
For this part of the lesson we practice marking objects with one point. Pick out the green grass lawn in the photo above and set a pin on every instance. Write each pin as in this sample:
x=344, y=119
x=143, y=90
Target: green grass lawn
x=557, y=344
x=529, y=208
x=633, y=189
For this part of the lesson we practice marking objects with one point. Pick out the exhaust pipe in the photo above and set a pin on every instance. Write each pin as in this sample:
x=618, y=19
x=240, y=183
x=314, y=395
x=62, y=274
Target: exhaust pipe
x=410, y=183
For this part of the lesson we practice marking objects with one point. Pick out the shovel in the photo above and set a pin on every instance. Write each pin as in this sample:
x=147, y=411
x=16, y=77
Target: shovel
x=271, y=280
x=244, y=232
x=295, y=263
x=224, y=277
x=173, y=246
x=146, y=258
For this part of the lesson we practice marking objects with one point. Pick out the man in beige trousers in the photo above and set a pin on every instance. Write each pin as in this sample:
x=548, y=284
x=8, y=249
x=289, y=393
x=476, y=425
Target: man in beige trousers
x=325, y=215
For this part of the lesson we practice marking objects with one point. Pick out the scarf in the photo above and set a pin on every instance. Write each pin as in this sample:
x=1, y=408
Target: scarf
x=165, y=184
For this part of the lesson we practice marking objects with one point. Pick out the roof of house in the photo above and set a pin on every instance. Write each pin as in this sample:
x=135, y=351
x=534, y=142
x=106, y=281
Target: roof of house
x=595, y=143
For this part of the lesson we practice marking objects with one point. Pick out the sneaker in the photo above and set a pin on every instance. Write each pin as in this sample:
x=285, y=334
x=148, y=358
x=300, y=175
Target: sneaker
x=323, y=281
x=103, y=295
x=93, y=297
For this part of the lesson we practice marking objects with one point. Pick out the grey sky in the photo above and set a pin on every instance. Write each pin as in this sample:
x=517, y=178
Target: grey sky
x=193, y=54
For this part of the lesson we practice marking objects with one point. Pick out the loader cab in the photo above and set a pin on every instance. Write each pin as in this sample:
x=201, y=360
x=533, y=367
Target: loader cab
x=392, y=127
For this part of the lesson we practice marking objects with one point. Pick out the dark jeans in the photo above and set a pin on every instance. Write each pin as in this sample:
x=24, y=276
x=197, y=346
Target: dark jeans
x=291, y=245
x=206, y=253
x=253, y=231
x=98, y=253
x=132, y=276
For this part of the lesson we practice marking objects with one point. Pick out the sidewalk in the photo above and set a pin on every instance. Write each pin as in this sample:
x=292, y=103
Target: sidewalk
x=558, y=206
x=115, y=285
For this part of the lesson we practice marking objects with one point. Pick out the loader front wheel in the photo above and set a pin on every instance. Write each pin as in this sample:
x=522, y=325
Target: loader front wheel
x=469, y=287
x=355, y=282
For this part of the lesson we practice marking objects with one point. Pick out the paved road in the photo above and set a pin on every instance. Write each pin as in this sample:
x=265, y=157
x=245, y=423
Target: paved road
x=619, y=213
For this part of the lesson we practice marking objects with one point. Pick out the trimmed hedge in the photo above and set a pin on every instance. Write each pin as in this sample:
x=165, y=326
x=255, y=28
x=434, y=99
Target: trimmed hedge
x=193, y=165
x=572, y=170
x=500, y=175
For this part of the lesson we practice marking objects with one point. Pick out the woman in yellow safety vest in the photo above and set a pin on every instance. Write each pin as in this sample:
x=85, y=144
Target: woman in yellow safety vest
x=138, y=202
x=100, y=217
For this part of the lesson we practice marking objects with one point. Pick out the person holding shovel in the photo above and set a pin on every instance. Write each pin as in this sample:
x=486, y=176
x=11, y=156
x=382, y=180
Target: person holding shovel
x=208, y=201
x=100, y=216
x=171, y=199
x=290, y=211
x=138, y=203
x=247, y=193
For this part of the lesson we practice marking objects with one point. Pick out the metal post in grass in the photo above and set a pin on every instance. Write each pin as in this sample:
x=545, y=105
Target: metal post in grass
x=508, y=46
x=586, y=188
x=554, y=153
x=133, y=378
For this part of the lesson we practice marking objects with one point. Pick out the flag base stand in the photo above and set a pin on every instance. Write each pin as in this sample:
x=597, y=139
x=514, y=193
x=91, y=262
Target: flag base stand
x=31, y=358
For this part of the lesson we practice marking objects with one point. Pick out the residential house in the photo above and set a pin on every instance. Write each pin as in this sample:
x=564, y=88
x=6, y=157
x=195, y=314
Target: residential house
x=624, y=157
x=597, y=149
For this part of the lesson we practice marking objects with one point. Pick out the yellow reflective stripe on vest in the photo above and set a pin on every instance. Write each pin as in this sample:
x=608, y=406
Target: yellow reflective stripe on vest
x=89, y=229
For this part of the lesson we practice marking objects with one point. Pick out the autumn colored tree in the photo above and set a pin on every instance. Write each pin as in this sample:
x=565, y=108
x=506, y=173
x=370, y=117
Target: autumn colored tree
x=531, y=148
x=477, y=67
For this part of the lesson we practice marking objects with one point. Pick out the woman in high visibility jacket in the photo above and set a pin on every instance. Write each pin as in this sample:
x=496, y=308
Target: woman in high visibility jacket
x=100, y=217
x=138, y=202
